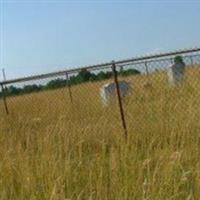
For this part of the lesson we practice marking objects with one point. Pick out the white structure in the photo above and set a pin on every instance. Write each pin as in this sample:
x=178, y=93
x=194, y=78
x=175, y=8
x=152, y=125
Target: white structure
x=176, y=73
x=108, y=91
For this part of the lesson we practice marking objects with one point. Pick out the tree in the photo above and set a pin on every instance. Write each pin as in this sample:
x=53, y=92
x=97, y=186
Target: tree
x=104, y=75
x=84, y=75
x=55, y=83
x=12, y=90
x=31, y=88
x=93, y=77
x=129, y=72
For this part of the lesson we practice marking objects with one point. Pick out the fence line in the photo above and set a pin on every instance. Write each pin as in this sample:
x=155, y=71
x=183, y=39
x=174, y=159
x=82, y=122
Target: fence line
x=192, y=55
x=100, y=66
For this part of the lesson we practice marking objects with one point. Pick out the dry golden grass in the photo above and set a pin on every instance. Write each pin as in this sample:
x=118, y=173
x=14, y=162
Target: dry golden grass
x=50, y=149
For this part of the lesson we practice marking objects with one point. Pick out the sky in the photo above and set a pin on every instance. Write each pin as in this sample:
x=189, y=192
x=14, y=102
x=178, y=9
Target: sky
x=39, y=36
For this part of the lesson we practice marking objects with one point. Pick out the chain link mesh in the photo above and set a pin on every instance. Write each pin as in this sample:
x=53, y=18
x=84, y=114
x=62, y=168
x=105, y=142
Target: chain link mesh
x=76, y=98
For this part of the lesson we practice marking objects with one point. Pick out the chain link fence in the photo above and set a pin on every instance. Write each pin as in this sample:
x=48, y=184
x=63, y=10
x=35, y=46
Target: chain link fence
x=124, y=96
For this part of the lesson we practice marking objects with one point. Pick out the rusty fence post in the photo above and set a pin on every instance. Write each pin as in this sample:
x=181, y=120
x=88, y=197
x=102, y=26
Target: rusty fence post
x=115, y=74
x=4, y=98
x=148, y=78
x=191, y=60
x=146, y=68
x=69, y=87
x=172, y=60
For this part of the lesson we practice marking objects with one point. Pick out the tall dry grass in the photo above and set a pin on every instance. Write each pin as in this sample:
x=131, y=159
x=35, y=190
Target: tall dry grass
x=50, y=149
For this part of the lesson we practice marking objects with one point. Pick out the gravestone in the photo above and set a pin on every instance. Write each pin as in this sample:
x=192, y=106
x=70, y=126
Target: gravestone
x=176, y=71
x=108, y=91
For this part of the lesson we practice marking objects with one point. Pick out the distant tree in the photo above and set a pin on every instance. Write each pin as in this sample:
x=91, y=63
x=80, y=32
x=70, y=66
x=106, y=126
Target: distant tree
x=93, y=77
x=84, y=75
x=73, y=80
x=104, y=75
x=129, y=72
x=31, y=88
x=55, y=83
x=101, y=75
x=12, y=90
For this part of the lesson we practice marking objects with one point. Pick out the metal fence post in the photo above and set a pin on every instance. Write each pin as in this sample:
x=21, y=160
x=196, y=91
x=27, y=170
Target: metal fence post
x=172, y=60
x=146, y=68
x=4, y=98
x=69, y=87
x=191, y=61
x=119, y=99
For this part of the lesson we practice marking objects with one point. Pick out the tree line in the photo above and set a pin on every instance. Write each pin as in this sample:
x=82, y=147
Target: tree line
x=83, y=76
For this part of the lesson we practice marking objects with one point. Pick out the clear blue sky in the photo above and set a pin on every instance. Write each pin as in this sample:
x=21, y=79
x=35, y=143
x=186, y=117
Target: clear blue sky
x=40, y=36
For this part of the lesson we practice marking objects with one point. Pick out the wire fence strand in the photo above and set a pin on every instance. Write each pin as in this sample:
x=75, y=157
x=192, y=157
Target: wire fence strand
x=143, y=89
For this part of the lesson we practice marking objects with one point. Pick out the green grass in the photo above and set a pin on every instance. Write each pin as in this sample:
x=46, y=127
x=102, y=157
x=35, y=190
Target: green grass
x=50, y=149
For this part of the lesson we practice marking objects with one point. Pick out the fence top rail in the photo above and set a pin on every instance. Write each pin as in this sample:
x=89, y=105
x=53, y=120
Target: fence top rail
x=101, y=66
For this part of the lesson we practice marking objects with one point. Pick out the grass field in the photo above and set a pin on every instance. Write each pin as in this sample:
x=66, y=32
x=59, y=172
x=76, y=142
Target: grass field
x=51, y=149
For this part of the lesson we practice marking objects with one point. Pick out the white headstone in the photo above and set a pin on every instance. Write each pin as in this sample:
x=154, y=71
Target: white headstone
x=108, y=91
x=176, y=73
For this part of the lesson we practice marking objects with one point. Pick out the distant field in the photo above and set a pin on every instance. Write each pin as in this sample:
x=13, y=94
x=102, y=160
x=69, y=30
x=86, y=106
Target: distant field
x=51, y=149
